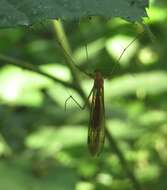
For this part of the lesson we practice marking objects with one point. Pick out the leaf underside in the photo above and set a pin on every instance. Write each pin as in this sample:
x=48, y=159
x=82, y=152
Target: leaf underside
x=26, y=12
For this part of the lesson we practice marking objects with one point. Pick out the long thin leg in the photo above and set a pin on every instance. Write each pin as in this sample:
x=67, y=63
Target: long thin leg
x=124, y=50
x=81, y=107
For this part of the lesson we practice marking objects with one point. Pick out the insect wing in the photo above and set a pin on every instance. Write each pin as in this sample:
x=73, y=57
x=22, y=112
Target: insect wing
x=97, y=122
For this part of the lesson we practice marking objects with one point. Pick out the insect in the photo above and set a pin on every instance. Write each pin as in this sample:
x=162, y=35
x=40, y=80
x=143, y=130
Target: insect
x=96, y=129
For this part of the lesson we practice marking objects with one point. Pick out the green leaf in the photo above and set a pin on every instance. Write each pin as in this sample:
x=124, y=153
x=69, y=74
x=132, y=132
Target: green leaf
x=16, y=175
x=143, y=84
x=26, y=12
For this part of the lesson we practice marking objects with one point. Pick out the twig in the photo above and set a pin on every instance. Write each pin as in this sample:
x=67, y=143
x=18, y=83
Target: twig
x=65, y=47
x=61, y=38
x=30, y=67
x=117, y=150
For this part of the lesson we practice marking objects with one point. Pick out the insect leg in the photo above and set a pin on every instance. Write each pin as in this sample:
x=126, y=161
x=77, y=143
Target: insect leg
x=81, y=107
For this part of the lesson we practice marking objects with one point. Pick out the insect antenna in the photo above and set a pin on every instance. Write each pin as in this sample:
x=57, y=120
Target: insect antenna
x=69, y=56
x=122, y=53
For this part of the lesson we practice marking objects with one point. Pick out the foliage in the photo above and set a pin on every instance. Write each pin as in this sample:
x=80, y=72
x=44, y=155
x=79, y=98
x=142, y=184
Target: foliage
x=42, y=146
x=27, y=12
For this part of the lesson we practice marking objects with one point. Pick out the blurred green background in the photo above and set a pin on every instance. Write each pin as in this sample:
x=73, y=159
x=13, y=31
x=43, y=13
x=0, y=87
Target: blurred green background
x=42, y=146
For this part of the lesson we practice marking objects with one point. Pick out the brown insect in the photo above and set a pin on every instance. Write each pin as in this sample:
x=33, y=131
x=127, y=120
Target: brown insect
x=96, y=129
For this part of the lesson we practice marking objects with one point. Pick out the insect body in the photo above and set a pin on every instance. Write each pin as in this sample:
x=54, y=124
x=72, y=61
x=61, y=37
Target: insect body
x=96, y=130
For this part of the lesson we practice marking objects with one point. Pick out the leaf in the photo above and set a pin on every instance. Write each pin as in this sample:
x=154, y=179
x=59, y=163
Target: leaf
x=150, y=83
x=27, y=12
x=16, y=174
x=48, y=138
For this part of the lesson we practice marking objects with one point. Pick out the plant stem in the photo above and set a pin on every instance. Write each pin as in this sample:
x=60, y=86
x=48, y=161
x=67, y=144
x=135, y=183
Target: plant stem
x=62, y=40
x=65, y=47
x=30, y=67
x=113, y=144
